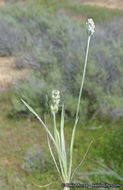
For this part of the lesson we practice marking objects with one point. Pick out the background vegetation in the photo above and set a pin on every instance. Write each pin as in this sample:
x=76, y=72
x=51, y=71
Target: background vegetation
x=52, y=45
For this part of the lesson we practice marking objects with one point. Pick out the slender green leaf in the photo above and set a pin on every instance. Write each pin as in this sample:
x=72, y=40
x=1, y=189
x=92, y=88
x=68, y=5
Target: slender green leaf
x=58, y=149
x=58, y=139
x=53, y=158
x=45, y=127
x=71, y=146
x=63, y=140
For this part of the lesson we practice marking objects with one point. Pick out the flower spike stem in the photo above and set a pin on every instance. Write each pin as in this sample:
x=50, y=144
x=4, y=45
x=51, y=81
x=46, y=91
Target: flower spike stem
x=83, y=77
x=78, y=105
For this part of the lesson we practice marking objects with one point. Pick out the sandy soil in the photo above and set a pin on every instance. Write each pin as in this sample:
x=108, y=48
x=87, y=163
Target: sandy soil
x=69, y=13
x=2, y=2
x=112, y=4
x=9, y=74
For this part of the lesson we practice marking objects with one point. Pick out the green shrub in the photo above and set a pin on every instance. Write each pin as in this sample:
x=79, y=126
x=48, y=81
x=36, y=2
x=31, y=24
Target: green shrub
x=55, y=47
x=59, y=63
x=11, y=38
x=36, y=161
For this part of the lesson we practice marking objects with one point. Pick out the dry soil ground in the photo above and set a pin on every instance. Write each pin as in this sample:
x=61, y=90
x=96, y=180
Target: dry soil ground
x=9, y=74
x=113, y=4
x=2, y=2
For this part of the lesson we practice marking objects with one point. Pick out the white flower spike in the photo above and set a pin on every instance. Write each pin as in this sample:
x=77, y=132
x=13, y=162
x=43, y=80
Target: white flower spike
x=56, y=100
x=90, y=26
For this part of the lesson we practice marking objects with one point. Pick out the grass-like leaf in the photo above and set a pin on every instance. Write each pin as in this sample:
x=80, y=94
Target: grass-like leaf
x=45, y=127
x=54, y=158
x=71, y=147
x=63, y=149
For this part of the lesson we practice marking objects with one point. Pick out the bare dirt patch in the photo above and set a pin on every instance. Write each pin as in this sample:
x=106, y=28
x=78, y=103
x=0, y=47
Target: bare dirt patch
x=9, y=74
x=2, y=2
x=112, y=4
x=69, y=13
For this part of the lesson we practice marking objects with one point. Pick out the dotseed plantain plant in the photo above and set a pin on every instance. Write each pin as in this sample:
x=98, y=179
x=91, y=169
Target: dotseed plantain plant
x=57, y=136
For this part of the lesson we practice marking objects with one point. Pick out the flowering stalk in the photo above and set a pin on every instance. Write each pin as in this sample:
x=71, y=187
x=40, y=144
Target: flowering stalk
x=78, y=106
x=59, y=136
x=90, y=30
x=64, y=169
